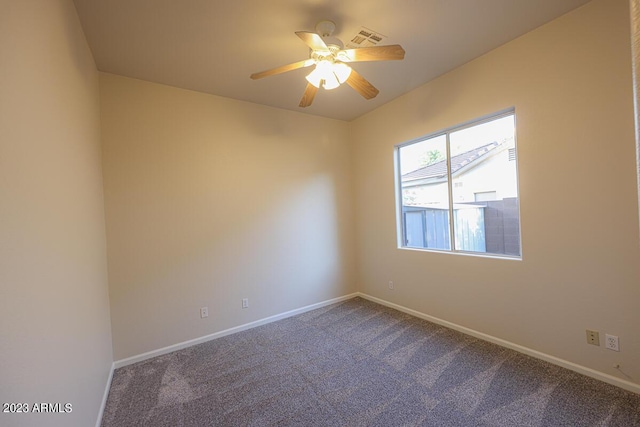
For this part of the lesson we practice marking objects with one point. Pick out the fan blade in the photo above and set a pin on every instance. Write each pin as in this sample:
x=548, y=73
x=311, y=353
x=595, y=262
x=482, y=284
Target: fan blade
x=312, y=40
x=361, y=85
x=309, y=94
x=374, y=53
x=283, y=69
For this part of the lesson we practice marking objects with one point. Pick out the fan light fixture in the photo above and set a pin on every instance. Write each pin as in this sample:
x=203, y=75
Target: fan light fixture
x=329, y=74
x=329, y=57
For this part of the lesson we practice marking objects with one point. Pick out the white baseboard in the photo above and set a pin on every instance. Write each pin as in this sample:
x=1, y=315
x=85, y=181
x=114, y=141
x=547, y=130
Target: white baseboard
x=610, y=379
x=179, y=346
x=105, y=396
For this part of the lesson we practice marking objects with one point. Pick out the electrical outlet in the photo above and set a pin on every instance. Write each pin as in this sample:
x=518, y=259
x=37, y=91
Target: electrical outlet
x=611, y=342
x=204, y=312
x=593, y=337
x=245, y=302
x=391, y=285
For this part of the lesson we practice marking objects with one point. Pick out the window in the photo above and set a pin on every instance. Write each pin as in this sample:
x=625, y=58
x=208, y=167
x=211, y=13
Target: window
x=437, y=212
x=484, y=196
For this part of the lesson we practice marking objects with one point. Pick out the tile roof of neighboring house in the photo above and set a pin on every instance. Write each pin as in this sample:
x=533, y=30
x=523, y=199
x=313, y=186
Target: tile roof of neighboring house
x=439, y=169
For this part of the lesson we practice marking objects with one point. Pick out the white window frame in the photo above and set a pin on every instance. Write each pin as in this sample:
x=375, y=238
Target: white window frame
x=400, y=225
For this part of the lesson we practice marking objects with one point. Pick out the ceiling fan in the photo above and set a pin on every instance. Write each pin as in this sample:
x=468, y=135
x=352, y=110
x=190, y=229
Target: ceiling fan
x=330, y=60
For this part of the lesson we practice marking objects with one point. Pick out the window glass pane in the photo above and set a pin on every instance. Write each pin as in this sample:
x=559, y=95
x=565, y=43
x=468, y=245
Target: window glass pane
x=485, y=188
x=425, y=194
x=467, y=202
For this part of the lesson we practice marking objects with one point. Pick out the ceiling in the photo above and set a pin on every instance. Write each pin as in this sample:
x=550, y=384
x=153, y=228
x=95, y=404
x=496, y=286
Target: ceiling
x=213, y=46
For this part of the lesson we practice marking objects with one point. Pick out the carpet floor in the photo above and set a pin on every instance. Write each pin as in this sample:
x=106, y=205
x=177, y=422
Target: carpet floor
x=358, y=363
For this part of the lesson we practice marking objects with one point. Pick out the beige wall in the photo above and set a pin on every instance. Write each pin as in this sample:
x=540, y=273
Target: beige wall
x=635, y=47
x=210, y=200
x=570, y=83
x=55, y=344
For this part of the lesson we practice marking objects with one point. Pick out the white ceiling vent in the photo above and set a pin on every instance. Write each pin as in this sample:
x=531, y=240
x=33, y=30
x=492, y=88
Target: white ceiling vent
x=365, y=38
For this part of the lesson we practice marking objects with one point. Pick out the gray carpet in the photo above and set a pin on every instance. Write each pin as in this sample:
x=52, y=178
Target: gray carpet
x=358, y=363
